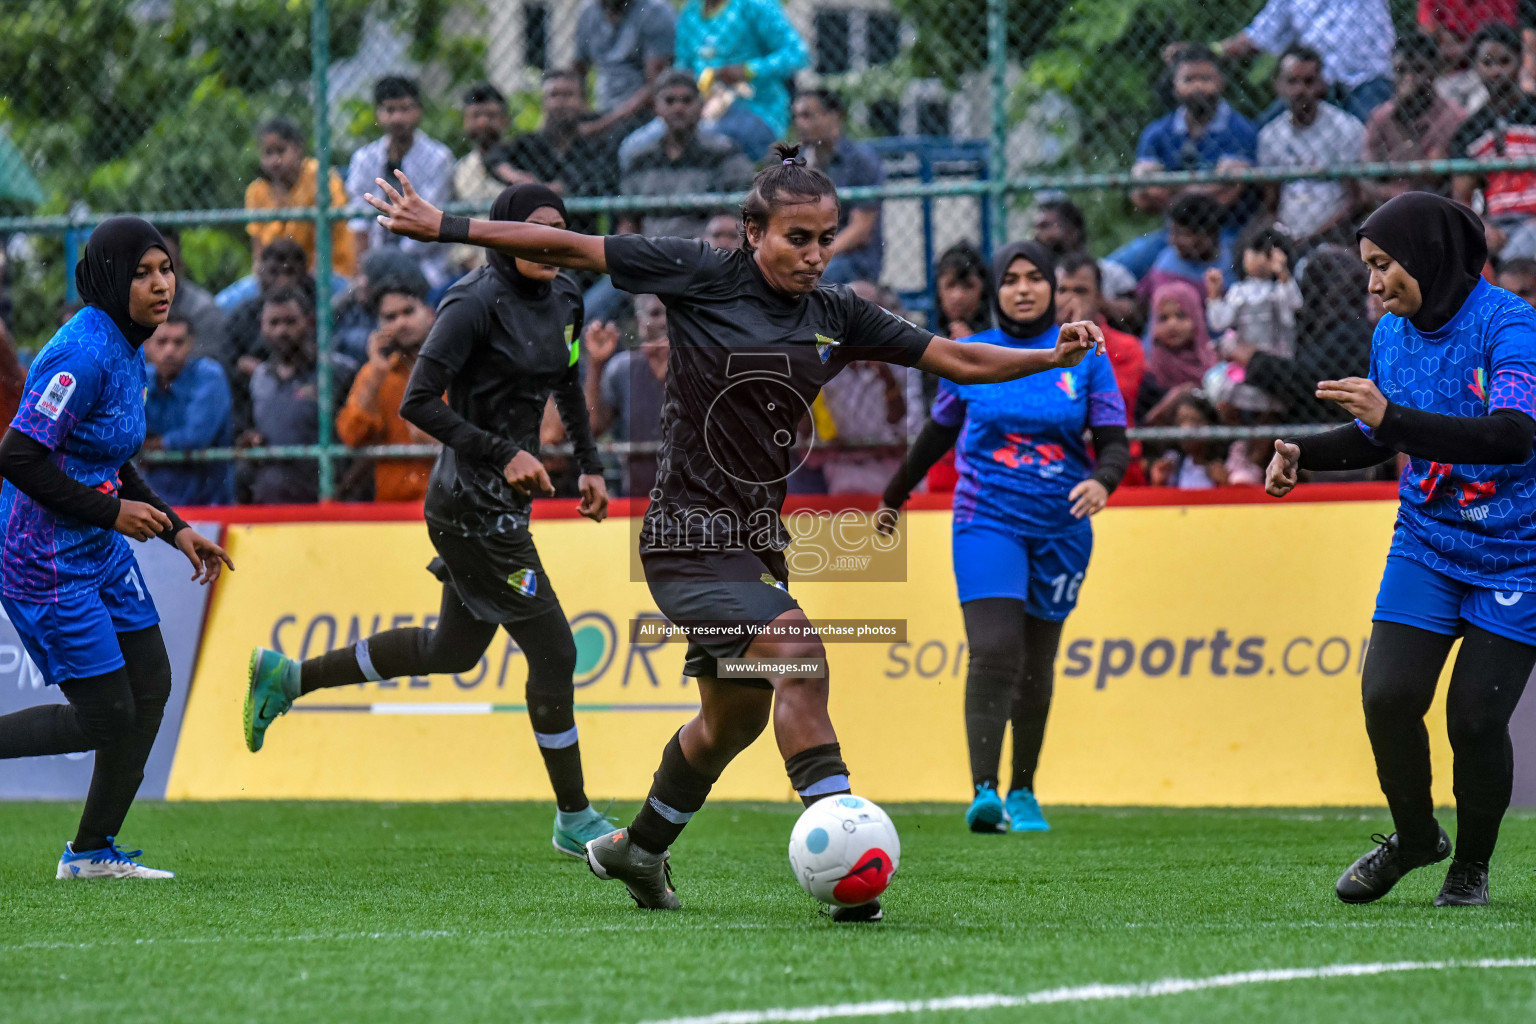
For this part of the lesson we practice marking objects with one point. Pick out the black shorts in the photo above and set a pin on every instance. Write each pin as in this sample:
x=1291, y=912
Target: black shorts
x=739, y=587
x=499, y=577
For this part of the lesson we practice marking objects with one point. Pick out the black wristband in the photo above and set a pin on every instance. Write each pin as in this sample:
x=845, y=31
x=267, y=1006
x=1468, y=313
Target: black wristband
x=453, y=228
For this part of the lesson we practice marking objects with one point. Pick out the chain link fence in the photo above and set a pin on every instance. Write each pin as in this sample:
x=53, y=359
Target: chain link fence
x=1214, y=160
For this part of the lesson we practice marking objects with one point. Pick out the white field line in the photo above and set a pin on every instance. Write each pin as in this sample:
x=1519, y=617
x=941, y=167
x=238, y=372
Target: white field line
x=1085, y=993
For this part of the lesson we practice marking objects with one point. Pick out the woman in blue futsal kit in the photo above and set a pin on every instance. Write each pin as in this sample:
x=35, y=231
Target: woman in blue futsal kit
x=1453, y=386
x=68, y=579
x=1021, y=532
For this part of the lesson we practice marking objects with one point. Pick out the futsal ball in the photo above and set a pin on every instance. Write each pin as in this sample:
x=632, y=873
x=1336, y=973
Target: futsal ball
x=844, y=850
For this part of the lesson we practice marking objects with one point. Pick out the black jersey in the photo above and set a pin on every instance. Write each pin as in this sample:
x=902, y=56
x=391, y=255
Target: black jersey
x=746, y=362
x=499, y=353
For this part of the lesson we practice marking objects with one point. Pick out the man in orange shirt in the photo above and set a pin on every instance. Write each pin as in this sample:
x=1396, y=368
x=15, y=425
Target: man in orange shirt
x=288, y=179
x=372, y=413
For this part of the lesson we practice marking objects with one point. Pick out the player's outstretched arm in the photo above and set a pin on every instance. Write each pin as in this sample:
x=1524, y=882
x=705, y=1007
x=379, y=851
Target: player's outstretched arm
x=981, y=363
x=404, y=212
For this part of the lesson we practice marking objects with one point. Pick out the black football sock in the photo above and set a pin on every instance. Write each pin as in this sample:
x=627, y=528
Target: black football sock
x=677, y=792
x=454, y=644
x=818, y=772
x=1032, y=700
x=994, y=630
x=550, y=650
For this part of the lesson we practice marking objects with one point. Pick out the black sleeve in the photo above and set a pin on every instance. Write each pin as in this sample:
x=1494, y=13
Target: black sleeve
x=571, y=400
x=1344, y=447
x=1112, y=452
x=25, y=463
x=135, y=488
x=932, y=442
x=667, y=267
x=874, y=332
x=424, y=406
x=1500, y=439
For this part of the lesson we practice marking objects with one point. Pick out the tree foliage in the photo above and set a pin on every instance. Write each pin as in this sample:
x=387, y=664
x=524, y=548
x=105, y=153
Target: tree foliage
x=142, y=105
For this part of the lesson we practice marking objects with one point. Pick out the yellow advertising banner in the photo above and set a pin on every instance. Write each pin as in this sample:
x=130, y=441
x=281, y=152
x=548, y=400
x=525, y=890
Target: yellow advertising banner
x=1214, y=659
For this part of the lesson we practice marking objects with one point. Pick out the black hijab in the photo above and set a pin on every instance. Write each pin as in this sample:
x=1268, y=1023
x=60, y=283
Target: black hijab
x=516, y=202
x=105, y=273
x=1440, y=243
x=1045, y=262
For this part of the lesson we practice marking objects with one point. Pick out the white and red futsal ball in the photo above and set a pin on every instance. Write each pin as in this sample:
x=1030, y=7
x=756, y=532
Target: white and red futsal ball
x=844, y=850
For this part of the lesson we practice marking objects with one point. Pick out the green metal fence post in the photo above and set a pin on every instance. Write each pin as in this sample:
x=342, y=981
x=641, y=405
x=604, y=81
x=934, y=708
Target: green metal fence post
x=997, y=164
x=320, y=59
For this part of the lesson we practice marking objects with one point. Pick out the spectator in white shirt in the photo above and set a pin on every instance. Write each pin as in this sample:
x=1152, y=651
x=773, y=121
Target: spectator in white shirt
x=1311, y=134
x=1354, y=37
x=428, y=163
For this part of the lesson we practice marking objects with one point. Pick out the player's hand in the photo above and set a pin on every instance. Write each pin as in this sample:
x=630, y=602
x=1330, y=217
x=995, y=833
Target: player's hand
x=1088, y=497
x=886, y=519
x=1280, y=477
x=594, y=496
x=140, y=521
x=1074, y=340
x=527, y=475
x=207, y=558
x=601, y=340
x=1359, y=397
x=405, y=212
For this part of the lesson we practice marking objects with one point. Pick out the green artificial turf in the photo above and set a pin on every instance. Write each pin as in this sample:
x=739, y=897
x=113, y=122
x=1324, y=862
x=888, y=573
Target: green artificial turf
x=463, y=912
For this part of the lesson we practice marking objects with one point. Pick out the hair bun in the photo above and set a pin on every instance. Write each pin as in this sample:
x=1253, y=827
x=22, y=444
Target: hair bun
x=788, y=154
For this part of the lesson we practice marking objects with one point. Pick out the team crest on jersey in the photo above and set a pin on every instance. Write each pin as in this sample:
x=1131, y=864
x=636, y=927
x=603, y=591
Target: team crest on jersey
x=1479, y=385
x=524, y=582
x=1068, y=384
x=570, y=340
x=824, y=346
x=768, y=579
x=56, y=395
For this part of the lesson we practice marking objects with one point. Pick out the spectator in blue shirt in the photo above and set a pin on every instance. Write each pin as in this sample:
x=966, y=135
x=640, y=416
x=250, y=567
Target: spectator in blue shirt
x=1203, y=134
x=858, y=253
x=187, y=407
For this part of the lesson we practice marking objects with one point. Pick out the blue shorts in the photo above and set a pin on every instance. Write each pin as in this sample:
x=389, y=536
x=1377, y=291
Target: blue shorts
x=77, y=637
x=1415, y=595
x=992, y=560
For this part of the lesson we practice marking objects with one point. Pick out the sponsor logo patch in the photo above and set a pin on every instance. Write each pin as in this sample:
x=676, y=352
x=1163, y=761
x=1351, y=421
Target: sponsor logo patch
x=56, y=395
x=524, y=582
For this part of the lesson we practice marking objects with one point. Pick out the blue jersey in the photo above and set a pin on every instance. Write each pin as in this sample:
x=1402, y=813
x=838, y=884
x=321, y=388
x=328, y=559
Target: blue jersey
x=84, y=399
x=1021, y=448
x=1476, y=523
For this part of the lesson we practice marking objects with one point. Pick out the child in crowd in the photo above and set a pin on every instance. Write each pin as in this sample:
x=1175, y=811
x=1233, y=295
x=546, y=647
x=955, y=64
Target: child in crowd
x=1178, y=344
x=1195, y=464
x=1259, y=312
x=1260, y=308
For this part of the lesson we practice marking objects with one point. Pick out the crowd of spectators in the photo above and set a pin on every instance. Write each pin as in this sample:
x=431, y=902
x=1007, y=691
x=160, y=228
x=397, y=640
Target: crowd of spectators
x=1227, y=313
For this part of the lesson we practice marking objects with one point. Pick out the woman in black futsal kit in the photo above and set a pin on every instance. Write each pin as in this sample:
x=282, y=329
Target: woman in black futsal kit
x=1453, y=385
x=753, y=339
x=506, y=337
